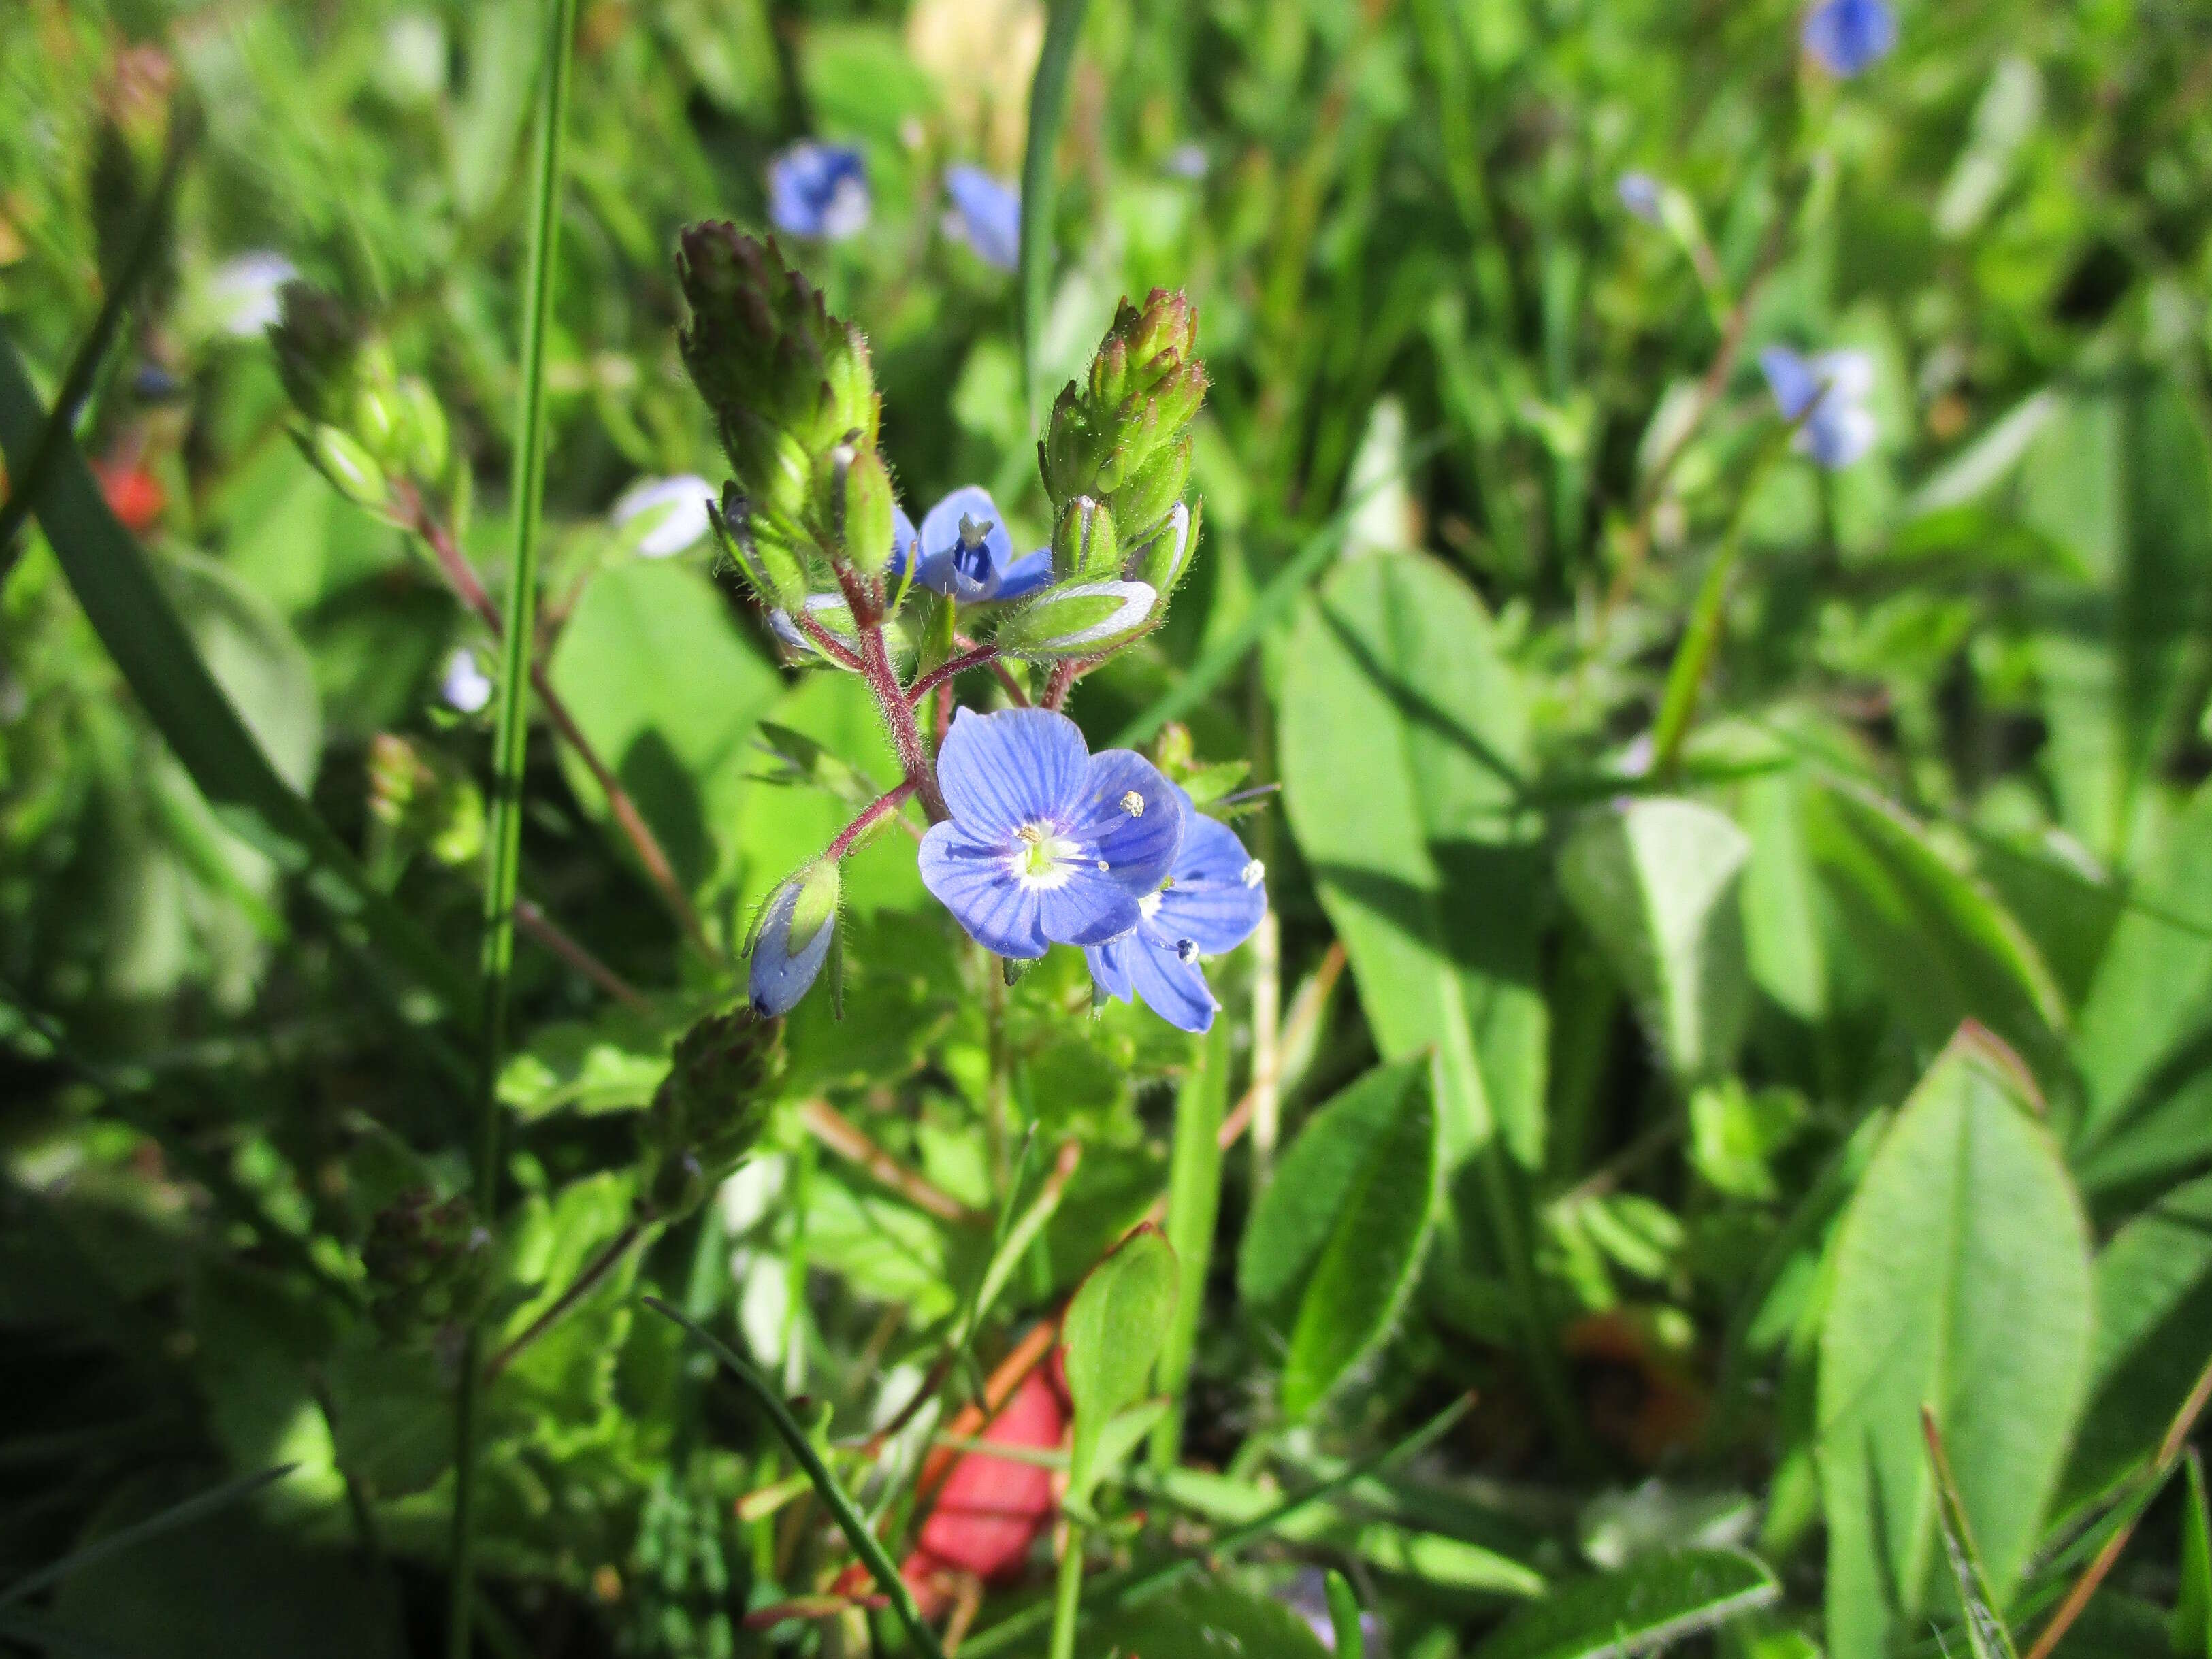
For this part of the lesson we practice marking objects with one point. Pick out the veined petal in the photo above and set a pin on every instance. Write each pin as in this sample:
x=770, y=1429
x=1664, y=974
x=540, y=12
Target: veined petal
x=904, y=536
x=1126, y=812
x=1172, y=988
x=968, y=875
x=1091, y=908
x=1219, y=892
x=1109, y=967
x=1002, y=771
x=1025, y=575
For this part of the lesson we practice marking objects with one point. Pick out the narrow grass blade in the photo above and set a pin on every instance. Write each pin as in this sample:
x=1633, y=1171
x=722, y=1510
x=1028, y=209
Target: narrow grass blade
x=848, y=1519
x=1048, y=107
x=1270, y=606
x=1985, y=1630
x=128, y=608
x=92, y=351
x=502, y=877
x=177, y=1515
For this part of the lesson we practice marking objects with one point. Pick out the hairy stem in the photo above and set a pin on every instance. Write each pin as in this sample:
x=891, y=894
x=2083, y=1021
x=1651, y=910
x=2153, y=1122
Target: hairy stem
x=871, y=815
x=980, y=656
x=898, y=717
x=461, y=577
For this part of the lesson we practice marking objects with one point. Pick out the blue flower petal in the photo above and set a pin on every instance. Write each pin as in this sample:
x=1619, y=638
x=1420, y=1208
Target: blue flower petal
x=1172, y=988
x=970, y=575
x=1109, y=967
x=903, y=535
x=1019, y=766
x=818, y=189
x=1791, y=379
x=1127, y=813
x=987, y=214
x=783, y=968
x=1210, y=902
x=1025, y=575
x=968, y=874
x=1092, y=909
x=1846, y=37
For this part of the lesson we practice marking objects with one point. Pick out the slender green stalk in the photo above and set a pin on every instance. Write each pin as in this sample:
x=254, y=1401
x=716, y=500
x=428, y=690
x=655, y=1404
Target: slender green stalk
x=509, y=736
x=177, y=1515
x=1193, y=1204
x=1067, y=1594
x=1048, y=107
x=848, y=1519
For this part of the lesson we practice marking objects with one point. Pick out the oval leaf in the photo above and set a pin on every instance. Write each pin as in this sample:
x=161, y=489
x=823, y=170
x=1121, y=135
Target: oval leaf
x=1333, y=1247
x=1962, y=1282
x=1115, y=1326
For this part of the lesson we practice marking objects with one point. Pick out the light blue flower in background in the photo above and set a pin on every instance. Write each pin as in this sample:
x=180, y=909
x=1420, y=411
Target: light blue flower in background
x=243, y=293
x=986, y=214
x=1846, y=37
x=1641, y=194
x=967, y=554
x=1840, y=429
x=818, y=189
x=1214, y=897
x=1187, y=160
x=464, y=685
x=1048, y=844
x=669, y=514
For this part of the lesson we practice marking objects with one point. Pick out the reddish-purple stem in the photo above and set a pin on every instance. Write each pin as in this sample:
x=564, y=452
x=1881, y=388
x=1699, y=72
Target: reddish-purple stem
x=981, y=657
x=898, y=716
x=871, y=815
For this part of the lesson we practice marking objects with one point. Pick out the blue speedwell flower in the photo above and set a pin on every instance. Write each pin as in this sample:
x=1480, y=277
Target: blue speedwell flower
x=1840, y=429
x=987, y=214
x=1845, y=37
x=792, y=940
x=1047, y=843
x=1642, y=195
x=464, y=685
x=819, y=191
x=965, y=552
x=664, y=516
x=1214, y=897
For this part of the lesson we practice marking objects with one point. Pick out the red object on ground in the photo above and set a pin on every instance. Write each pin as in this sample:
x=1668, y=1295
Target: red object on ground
x=134, y=495
x=991, y=1509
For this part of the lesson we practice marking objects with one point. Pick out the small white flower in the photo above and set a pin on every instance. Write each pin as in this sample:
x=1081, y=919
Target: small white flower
x=466, y=686
x=242, y=292
x=670, y=514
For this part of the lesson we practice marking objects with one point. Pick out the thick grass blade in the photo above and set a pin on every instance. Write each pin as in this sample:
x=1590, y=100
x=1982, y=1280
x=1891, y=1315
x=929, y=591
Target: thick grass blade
x=504, y=851
x=1048, y=107
x=177, y=1515
x=849, y=1518
x=109, y=574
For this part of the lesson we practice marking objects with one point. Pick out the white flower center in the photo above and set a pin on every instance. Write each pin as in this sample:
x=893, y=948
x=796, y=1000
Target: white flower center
x=1043, y=859
x=1149, y=906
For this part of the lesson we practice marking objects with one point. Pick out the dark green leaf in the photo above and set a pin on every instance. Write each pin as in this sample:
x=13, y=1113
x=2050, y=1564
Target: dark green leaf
x=1204, y=1619
x=1641, y=1607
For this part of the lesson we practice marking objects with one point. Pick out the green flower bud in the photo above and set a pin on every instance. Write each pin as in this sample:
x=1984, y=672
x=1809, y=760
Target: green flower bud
x=1160, y=562
x=420, y=435
x=427, y=1262
x=1144, y=499
x=862, y=491
x=1143, y=389
x=422, y=802
x=1077, y=619
x=340, y=457
x=317, y=344
x=769, y=567
x=711, y=1109
x=1083, y=545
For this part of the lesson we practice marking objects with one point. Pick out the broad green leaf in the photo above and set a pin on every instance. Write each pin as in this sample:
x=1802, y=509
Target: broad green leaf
x=2192, y=1607
x=1785, y=918
x=1960, y=1282
x=1405, y=750
x=1193, y=1208
x=125, y=602
x=1203, y=1618
x=2153, y=1298
x=1115, y=1323
x=2152, y=995
x=2126, y=478
x=1656, y=882
x=1640, y=1608
x=1334, y=1245
x=670, y=693
x=1943, y=950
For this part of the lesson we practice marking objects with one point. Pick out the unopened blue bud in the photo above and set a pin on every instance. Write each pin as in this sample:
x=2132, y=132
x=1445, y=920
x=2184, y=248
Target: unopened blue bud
x=792, y=940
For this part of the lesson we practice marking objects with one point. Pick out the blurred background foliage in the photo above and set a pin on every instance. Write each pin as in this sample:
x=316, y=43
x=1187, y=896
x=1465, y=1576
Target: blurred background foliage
x=1800, y=880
